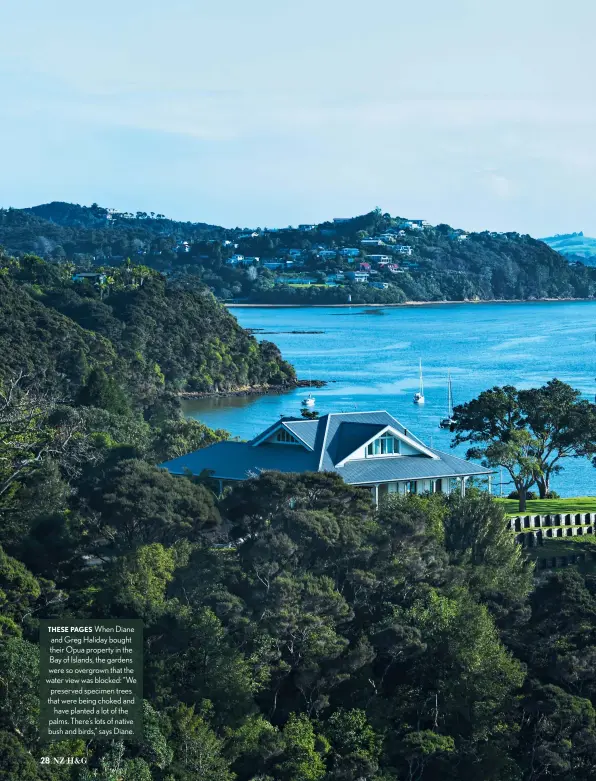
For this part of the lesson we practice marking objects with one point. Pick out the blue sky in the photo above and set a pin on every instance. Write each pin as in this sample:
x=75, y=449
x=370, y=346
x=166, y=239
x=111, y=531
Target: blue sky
x=479, y=113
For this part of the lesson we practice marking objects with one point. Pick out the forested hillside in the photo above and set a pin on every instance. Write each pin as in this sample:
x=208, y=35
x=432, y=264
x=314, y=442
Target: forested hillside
x=396, y=259
x=131, y=324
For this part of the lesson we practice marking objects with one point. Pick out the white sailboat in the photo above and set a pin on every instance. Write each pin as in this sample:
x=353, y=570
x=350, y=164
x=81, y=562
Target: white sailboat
x=419, y=397
x=448, y=421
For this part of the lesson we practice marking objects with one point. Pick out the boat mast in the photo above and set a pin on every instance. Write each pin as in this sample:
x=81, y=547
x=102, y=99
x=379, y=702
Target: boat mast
x=421, y=380
x=450, y=396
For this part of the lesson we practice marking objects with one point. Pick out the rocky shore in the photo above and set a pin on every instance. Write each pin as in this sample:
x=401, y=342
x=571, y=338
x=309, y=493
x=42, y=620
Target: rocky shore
x=253, y=390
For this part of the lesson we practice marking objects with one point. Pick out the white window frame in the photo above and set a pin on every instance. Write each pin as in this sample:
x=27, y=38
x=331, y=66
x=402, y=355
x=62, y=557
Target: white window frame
x=384, y=437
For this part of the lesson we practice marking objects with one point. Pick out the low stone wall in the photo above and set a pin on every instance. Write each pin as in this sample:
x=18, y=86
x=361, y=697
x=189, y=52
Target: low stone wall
x=523, y=522
x=529, y=539
x=555, y=562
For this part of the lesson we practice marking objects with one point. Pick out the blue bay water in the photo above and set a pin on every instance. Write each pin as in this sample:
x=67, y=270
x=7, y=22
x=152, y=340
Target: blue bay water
x=371, y=362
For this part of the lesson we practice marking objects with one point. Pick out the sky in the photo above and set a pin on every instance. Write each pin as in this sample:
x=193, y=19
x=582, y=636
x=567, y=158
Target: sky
x=478, y=113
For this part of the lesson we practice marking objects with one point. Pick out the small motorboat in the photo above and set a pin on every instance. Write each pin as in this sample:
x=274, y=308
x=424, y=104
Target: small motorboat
x=419, y=397
x=309, y=401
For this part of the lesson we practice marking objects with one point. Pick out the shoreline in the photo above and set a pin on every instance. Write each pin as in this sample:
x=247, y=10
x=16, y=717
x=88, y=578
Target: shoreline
x=413, y=303
x=253, y=390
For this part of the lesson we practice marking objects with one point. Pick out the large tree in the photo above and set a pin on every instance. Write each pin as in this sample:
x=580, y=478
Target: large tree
x=527, y=432
x=563, y=424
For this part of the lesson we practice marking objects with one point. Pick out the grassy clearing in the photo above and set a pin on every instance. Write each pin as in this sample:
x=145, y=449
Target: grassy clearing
x=570, y=504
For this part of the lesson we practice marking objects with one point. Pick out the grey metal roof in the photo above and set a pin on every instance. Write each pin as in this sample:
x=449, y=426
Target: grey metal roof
x=334, y=422
x=239, y=460
x=306, y=430
x=380, y=470
x=328, y=441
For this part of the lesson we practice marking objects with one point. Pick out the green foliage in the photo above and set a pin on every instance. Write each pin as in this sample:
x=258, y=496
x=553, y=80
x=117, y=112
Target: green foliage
x=303, y=753
x=126, y=343
x=200, y=752
x=16, y=762
x=528, y=432
x=138, y=504
x=19, y=590
x=104, y=392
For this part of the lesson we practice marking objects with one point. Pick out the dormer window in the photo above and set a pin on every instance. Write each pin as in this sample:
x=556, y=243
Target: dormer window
x=387, y=445
x=286, y=438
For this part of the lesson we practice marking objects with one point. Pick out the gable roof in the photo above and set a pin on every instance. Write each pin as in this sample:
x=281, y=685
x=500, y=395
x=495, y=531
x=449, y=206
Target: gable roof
x=327, y=442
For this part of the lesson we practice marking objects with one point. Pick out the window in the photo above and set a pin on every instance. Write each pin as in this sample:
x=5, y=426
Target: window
x=387, y=445
x=411, y=487
x=285, y=437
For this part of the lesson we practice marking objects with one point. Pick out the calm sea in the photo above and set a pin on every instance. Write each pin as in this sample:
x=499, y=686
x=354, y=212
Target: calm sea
x=371, y=363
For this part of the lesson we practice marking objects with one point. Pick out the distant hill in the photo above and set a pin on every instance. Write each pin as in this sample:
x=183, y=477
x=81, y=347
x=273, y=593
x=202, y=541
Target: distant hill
x=574, y=246
x=396, y=259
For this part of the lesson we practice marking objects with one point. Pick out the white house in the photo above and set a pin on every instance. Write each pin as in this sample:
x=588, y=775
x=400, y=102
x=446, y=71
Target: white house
x=403, y=249
x=378, y=258
x=349, y=252
x=357, y=276
x=372, y=243
x=368, y=449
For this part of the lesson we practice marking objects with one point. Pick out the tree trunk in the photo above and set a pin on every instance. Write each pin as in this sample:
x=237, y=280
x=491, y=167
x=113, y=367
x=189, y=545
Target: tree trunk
x=522, y=498
x=543, y=483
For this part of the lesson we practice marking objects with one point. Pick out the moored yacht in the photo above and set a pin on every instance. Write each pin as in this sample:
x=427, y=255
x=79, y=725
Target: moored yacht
x=419, y=397
x=448, y=421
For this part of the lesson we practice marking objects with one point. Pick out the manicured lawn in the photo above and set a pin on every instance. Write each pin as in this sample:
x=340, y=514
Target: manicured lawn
x=571, y=504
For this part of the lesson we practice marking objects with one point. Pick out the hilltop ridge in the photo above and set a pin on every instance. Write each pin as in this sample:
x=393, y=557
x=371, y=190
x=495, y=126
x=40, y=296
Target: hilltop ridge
x=574, y=246
x=370, y=258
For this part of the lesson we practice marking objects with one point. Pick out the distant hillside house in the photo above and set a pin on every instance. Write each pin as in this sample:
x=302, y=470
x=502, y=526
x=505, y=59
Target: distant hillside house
x=357, y=276
x=306, y=227
x=349, y=252
x=403, y=249
x=327, y=254
x=341, y=219
x=378, y=258
x=89, y=276
x=372, y=243
x=369, y=449
x=379, y=285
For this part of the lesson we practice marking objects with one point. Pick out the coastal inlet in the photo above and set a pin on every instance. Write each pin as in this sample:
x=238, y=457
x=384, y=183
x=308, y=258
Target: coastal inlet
x=371, y=363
